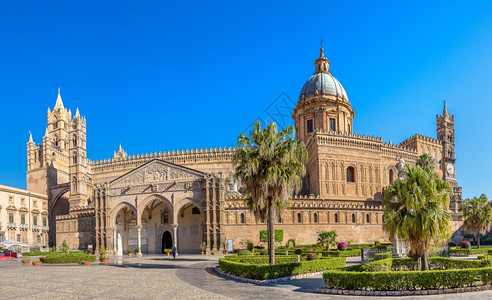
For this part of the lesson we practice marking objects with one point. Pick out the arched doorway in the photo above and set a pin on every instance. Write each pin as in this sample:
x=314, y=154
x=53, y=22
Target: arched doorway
x=167, y=240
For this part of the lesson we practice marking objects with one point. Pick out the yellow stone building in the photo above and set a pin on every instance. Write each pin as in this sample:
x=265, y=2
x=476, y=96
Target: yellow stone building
x=23, y=217
x=153, y=201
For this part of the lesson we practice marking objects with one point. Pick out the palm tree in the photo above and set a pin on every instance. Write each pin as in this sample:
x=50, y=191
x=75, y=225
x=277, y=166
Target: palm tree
x=327, y=238
x=415, y=209
x=270, y=164
x=478, y=215
x=426, y=161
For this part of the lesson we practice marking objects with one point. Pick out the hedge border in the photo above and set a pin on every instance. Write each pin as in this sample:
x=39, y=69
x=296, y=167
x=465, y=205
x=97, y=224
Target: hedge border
x=66, y=259
x=265, y=271
x=404, y=293
x=267, y=281
x=468, y=251
x=407, y=280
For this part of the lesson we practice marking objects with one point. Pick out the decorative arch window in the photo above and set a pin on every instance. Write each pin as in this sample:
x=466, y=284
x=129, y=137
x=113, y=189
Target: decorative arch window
x=309, y=126
x=350, y=174
x=279, y=220
x=353, y=218
x=241, y=218
x=74, y=184
x=336, y=217
x=299, y=218
x=74, y=140
x=74, y=158
x=315, y=218
x=390, y=176
x=368, y=219
x=195, y=211
x=56, y=141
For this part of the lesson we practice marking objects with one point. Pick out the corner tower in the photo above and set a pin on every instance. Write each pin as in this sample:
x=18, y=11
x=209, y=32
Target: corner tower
x=323, y=103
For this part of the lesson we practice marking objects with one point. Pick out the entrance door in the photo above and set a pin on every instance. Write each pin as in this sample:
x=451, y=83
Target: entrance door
x=167, y=240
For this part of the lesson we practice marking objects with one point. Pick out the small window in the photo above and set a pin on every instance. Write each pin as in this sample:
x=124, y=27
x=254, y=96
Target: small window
x=11, y=199
x=23, y=219
x=11, y=217
x=2, y=237
x=349, y=129
x=353, y=218
x=44, y=205
x=35, y=203
x=45, y=222
x=23, y=201
x=195, y=211
x=279, y=220
x=18, y=237
x=368, y=219
x=35, y=220
x=350, y=174
x=242, y=220
x=38, y=239
x=315, y=217
x=336, y=218
x=299, y=218
x=333, y=124
x=390, y=176
x=309, y=126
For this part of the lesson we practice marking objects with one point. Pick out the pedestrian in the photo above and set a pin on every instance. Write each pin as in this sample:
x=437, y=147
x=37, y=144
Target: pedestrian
x=173, y=250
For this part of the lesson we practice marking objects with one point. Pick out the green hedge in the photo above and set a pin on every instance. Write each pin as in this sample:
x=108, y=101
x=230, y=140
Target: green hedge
x=435, y=263
x=279, y=235
x=264, y=271
x=470, y=251
x=323, y=252
x=384, y=255
x=262, y=259
x=67, y=259
x=407, y=280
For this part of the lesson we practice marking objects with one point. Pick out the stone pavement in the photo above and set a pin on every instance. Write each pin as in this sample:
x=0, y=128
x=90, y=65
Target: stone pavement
x=158, y=277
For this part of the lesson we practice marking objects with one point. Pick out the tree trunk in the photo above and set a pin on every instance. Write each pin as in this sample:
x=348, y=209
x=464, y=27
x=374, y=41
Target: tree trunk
x=478, y=239
x=271, y=232
x=423, y=262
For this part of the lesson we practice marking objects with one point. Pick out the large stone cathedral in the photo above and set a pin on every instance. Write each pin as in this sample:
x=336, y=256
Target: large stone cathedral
x=185, y=198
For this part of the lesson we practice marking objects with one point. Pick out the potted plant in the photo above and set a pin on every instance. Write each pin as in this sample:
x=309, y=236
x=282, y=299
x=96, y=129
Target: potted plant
x=167, y=251
x=203, y=247
x=214, y=252
x=137, y=251
x=25, y=261
x=129, y=252
x=88, y=252
x=85, y=263
x=104, y=259
x=37, y=263
x=102, y=250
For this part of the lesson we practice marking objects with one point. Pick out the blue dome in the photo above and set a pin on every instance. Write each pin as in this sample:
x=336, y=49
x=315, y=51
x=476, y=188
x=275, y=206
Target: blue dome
x=324, y=83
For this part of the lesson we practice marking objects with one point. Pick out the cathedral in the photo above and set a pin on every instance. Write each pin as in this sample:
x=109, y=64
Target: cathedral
x=186, y=198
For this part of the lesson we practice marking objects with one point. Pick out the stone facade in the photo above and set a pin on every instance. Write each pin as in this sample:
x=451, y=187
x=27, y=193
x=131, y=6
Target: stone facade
x=187, y=197
x=23, y=217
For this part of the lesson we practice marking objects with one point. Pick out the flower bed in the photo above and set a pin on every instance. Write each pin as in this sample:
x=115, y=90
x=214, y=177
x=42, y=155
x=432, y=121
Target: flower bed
x=469, y=251
x=387, y=275
x=265, y=271
x=67, y=259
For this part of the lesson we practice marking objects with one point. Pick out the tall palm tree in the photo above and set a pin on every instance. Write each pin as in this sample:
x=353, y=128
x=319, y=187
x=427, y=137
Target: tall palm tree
x=426, y=162
x=270, y=164
x=415, y=209
x=478, y=215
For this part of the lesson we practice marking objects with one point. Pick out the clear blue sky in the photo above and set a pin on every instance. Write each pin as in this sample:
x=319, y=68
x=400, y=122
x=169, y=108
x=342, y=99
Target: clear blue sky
x=162, y=75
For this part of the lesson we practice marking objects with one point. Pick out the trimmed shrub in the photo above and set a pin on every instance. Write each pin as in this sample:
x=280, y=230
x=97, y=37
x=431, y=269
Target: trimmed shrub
x=465, y=245
x=291, y=243
x=379, y=256
x=67, y=259
x=263, y=252
x=342, y=246
x=298, y=251
x=407, y=280
x=312, y=256
x=467, y=251
x=346, y=253
x=279, y=235
x=265, y=271
x=245, y=252
x=250, y=245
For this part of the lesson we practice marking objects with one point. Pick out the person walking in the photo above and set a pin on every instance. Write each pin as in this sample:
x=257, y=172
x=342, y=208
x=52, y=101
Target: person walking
x=173, y=251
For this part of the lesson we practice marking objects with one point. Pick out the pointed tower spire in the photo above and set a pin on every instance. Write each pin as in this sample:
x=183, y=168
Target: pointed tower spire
x=59, y=102
x=46, y=133
x=30, y=137
x=445, y=110
x=120, y=149
x=77, y=113
x=322, y=64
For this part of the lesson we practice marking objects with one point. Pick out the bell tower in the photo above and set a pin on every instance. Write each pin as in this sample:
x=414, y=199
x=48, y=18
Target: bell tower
x=446, y=135
x=79, y=169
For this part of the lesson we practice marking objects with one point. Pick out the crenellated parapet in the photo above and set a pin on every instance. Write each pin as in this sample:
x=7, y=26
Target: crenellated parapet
x=207, y=155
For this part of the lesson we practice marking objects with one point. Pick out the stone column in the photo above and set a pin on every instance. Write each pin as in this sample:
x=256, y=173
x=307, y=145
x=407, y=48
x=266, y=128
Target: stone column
x=207, y=213
x=139, y=242
x=214, y=214
x=175, y=239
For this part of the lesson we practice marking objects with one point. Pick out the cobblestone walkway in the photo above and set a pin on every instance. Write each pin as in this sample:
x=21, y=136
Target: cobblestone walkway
x=158, y=277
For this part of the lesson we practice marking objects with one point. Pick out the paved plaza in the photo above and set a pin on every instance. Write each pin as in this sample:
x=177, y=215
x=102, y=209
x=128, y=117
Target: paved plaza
x=157, y=277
